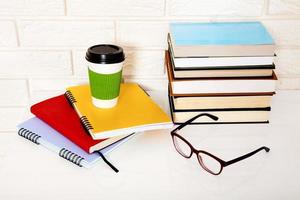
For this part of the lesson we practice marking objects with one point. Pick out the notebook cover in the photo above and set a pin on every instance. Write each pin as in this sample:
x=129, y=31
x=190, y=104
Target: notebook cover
x=54, y=141
x=59, y=114
x=135, y=111
x=220, y=33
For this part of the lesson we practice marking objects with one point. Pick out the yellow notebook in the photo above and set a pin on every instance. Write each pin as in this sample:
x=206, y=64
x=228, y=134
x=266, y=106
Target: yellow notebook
x=135, y=112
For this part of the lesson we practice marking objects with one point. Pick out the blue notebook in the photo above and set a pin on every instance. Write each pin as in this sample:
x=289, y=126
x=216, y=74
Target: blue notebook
x=39, y=132
x=220, y=33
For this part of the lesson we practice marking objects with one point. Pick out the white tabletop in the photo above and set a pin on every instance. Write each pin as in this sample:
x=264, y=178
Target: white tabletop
x=150, y=168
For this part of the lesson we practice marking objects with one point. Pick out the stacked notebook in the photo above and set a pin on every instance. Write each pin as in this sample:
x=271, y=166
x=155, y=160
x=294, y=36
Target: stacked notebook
x=72, y=127
x=226, y=69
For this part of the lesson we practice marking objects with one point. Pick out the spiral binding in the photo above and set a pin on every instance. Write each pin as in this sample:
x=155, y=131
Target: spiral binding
x=71, y=99
x=86, y=123
x=70, y=156
x=33, y=137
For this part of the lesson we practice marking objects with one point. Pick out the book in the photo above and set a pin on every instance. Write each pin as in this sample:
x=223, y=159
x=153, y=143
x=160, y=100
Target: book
x=227, y=86
x=221, y=66
x=221, y=94
x=221, y=62
x=42, y=134
x=135, y=112
x=221, y=39
x=238, y=62
x=222, y=73
x=60, y=115
x=225, y=116
x=221, y=102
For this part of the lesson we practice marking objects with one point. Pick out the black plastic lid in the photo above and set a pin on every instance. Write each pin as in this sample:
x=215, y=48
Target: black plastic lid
x=105, y=54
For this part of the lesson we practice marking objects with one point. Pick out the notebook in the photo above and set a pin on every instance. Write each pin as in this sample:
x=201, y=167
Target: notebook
x=40, y=133
x=60, y=115
x=221, y=39
x=135, y=112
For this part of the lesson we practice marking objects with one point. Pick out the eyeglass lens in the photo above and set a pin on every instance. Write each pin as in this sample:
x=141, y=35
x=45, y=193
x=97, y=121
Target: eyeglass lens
x=207, y=162
x=182, y=147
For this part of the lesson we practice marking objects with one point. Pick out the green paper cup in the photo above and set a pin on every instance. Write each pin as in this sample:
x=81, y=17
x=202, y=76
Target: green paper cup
x=105, y=64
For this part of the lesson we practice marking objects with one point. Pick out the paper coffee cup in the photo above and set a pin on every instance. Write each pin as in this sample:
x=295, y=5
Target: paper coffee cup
x=105, y=64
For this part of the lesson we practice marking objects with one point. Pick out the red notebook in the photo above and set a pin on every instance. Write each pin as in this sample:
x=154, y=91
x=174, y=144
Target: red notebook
x=60, y=115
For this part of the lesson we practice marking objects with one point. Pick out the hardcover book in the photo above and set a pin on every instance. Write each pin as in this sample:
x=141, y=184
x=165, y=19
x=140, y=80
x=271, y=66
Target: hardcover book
x=221, y=102
x=221, y=39
x=237, y=66
x=221, y=86
x=225, y=115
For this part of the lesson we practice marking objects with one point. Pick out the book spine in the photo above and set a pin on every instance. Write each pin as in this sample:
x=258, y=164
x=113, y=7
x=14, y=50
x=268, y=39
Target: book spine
x=33, y=137
x=70, y=156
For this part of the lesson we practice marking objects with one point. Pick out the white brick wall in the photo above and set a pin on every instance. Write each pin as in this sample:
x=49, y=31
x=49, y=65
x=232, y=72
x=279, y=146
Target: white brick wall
x=32, y=8
x=285, y=32
x=35, y=63
x=235, y=8
x=8, y=36
x=43, y=42
x=142, y=34
x=13, y=93
x=287, y=62
x=65, y=33
x=284, y=7
x=104, y=8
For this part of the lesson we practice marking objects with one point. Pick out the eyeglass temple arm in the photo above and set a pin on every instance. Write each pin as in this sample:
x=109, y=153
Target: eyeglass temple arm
x=247, y=155
x=215, y=118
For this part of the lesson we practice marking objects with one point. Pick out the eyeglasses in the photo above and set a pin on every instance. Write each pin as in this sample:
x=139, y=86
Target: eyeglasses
x=208, y=162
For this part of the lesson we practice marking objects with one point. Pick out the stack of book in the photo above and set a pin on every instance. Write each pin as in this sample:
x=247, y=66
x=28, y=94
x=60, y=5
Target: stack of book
x=225, y=69
x=71, y=126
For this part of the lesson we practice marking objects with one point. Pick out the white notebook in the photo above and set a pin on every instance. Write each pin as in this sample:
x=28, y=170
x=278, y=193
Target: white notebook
x=42, y=134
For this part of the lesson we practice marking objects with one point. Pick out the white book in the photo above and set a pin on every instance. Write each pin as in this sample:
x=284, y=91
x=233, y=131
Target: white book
x=222, y=73
x=223, y=62
x=225, y=115
x=42, y=134
x=253, y=116
x=207, y=86
x=193, y=67
x=221, y=102
x=219, y=85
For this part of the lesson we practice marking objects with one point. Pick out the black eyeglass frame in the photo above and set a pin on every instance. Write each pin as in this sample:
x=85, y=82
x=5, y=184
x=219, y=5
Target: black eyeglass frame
x=196, y=151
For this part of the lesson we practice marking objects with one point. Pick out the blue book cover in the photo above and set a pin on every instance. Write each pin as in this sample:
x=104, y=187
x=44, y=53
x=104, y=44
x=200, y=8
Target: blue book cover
x=40, y=133
x=220, y=33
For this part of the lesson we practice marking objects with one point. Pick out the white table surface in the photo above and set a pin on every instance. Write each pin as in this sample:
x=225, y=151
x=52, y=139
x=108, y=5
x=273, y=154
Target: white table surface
x=150, y=168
